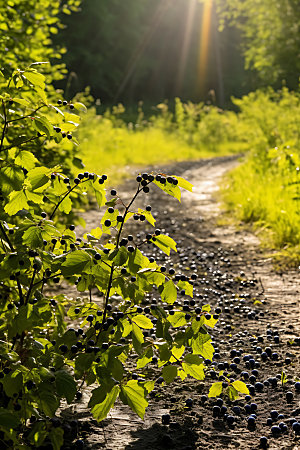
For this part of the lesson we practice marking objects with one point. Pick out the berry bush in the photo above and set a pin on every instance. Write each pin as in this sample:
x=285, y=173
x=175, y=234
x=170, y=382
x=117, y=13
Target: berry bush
x=51, y=345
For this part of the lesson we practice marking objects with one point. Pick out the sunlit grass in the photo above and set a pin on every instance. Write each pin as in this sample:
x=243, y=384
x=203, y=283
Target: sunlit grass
x=263, y=191
x=116, y=148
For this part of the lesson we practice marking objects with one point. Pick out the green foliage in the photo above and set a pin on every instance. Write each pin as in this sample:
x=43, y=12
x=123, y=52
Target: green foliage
x=42, y=359
x=230, y=389
x=264, y=190
x=27, y=27
x=192, y=131
x=270, y=36
x=38, y=137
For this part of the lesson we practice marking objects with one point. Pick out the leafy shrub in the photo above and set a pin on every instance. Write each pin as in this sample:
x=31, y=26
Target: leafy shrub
x=44, y=357
x=27, y=28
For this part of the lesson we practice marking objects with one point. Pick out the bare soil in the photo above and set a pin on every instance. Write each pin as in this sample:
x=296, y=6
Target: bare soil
x=257, y=304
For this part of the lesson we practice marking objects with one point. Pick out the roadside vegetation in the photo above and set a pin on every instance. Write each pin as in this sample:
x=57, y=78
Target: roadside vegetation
x=263, y=190
x=190, y=131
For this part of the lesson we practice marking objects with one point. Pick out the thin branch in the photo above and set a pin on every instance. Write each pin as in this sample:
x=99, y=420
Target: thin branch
x=107, y=298
x=117, y=245
x=21, y=143
x=6, y=237
x=4, y=126
x=25, y=117
x=60, y=201
x=31, y=286
x=43, y=280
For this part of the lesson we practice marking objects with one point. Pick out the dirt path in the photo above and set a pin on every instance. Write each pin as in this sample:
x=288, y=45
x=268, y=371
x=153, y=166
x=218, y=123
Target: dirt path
x=257, y=305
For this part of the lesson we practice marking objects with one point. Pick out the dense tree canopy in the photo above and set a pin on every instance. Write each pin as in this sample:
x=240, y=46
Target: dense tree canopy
x=149, y=50
x=27, y=27
x=270, y=36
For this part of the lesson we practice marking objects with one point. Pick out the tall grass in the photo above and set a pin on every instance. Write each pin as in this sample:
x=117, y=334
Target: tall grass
x=110, y=144
x=265, y=188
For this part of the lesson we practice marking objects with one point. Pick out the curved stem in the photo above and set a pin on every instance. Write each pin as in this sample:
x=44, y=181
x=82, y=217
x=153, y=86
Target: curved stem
x=66, y=195
x=117, y=245
x=28, y=115
x=31, y=286
x=4, y=126
x=24, y=142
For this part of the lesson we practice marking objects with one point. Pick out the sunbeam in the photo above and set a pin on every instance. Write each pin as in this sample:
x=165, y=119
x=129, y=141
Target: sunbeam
x=205, y=37
x=185, y=45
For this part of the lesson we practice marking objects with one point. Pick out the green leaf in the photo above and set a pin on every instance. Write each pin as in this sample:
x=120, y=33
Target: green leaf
x=142, y=321
x=11, y=179
x=148, y=216
x=197, y=324
x=101, y=410
x=215, y=389
x=33, y=237
x=34, y=197
x=165, y=243
x=75, y=263
x=43, y=125
x=240, y=386
x=170, y=189
x=112, y=217
x=35, y=78
x=80, y=107
x=164, y=353
x=137, y=337
x=169, y=293
x=283, y=379
x=145, y=359
x=136, y=261
x=193, y=366
x=177, y=352
x=184, y=184
x=187, y=287
x=38, y=177
x=21, y=101
x=95, y=232
x=17, y=202
x=232, y=393
x=121, y=256
x=169, y=373
x=66, y=205
x=126, y=327
x=206, y=308
x=178, y=319
x=83, y=362
x=12, y=383
x=57, y=437
x=211, y=322
x=152, y=276
x=98, y=396
x=65, y=385
x=26, y=159
x=133, y=394
x=202, y=346
x=48, y=402
x=8, y=420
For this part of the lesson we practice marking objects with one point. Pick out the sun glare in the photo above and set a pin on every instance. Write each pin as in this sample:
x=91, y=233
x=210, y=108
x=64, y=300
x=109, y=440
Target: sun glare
x=204, y=45
x=186, y=44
